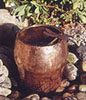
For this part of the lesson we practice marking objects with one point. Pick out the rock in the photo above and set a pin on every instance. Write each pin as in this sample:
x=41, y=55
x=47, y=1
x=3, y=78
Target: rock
x=65, y=95
x=8, y=33
x=81, y=96
x=82, y=52
x=82, y=88
x=5, y=91
x=77, y=33
x=84, y=66
x=6, y=83
x=6, y=55
x=3, y=72
x=60, y=89
x=8, y=63
x=73, y=88
x=32, y=97
x=1, y=64
x=70, y=98
x=45, y=98
x=83, y=78
x=8, y=52
x=15, y=95
x=65, y=83
x=74, y=98
x=2, y=78
x=70, y=71
x=56, y=97
x=5, y=17
x=4, y=98
x=14, y=82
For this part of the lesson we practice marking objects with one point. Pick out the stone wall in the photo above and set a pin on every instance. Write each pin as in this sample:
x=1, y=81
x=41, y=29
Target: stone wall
x=5, y=17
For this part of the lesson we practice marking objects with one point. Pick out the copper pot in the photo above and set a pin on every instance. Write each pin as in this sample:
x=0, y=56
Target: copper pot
x=40, y=65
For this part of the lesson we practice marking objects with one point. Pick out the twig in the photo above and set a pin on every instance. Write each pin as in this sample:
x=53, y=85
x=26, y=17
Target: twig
x=52, y=42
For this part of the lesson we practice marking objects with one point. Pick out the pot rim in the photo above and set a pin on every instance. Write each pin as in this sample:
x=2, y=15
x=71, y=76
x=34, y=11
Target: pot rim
x=39, y=25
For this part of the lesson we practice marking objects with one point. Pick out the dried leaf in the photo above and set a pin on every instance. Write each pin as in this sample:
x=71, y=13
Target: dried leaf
x=21, y=13
x=18, y=9
x=72, y=58
x=83, y=18
x=60, y=89
x=32, y=97
x=37, y=10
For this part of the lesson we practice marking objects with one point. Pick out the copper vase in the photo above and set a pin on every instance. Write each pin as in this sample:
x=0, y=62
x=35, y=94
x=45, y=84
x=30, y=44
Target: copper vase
x=40, y=65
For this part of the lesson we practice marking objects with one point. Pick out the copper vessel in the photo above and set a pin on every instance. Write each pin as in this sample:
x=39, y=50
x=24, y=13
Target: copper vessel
x=40, y=65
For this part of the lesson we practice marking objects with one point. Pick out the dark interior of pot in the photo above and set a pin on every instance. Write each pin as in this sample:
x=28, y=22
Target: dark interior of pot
x=38, y=36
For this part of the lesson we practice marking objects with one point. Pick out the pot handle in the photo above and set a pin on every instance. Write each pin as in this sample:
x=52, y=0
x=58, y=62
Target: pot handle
x=58, y=34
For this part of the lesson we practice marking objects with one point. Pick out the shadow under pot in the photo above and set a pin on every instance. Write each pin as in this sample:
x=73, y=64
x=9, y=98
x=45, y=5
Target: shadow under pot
x=40, y=61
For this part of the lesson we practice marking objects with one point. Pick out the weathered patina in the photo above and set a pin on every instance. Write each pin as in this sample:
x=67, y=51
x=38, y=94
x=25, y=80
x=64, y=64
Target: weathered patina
x=40, y=65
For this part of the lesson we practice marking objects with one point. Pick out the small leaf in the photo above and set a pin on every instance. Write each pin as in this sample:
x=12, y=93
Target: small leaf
x=23, y=18
x=84, y=66
x=18, y=9
x=74, y=1
x=82, y=18
x=22, y=12
x=34, y=3
x=24, y=2
x=62, y=15
x=29, y=14
x=44, y=10
x=72, y=58
x=28, y=9
x=37, y=11
x=64, y=1
x=76, y=4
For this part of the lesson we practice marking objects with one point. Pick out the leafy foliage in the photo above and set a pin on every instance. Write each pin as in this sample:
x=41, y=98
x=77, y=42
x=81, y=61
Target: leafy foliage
x=50, y=11
x=80, y=7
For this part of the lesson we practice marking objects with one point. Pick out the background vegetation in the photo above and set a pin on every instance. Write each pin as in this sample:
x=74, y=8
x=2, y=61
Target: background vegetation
x=52, y=12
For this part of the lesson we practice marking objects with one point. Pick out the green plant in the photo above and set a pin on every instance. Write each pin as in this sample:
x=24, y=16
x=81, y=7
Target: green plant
x=50, y=12
x=80, y=8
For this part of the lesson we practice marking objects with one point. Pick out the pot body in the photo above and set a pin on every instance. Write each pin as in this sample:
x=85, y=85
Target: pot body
x=40, y=67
